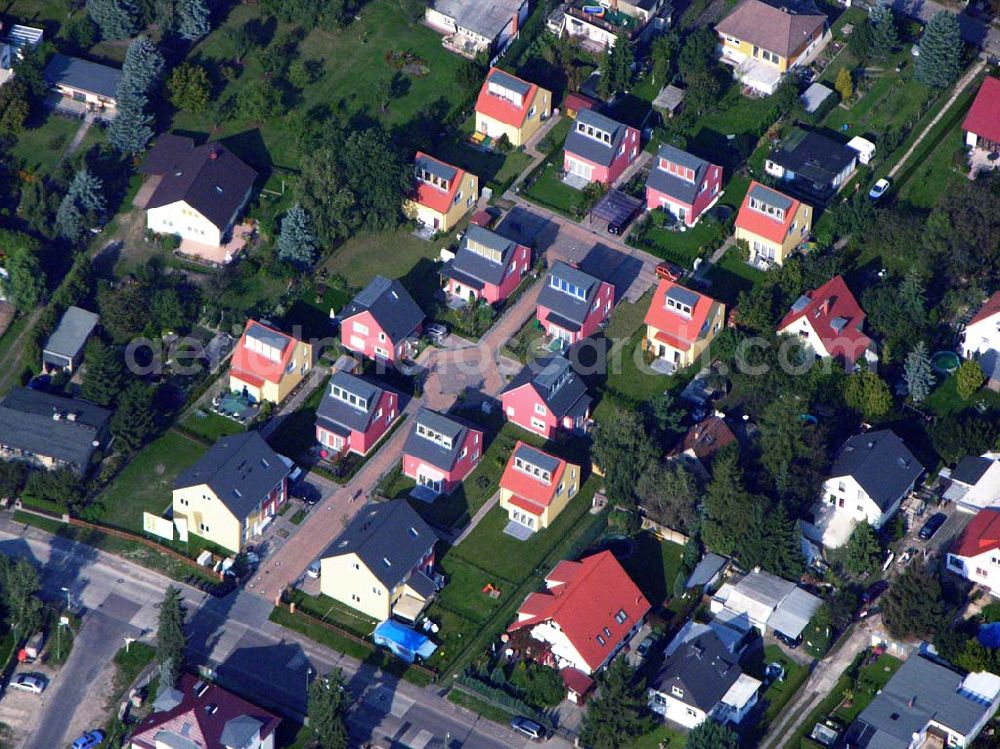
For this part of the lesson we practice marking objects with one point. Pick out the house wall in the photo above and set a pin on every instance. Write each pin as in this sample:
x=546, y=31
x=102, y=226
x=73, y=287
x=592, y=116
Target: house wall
x=803, y=329
x=981, y=337
x=983, y=569
x=361, y=333
x=564, y=651
x=518, y=269
x=795, y=237
x=607, y=175
x=597, y=172
x=600, y=310
x=569, y=484
x=519, y=407
x=731, y=48
x=691, y=355
x=347, y=579
x=90, y=97
x=579, y=28
x=542, y=105
x=182, y=220
x=669, y=707
x=298, y=367
x=450, y=480
x=207, y=516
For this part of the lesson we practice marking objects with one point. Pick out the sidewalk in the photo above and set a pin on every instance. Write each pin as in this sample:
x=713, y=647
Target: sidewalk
x=292, y=403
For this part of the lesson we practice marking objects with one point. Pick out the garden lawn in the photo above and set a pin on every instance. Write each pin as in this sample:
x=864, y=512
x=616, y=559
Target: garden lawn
x=146, y=483
x=495, y=170
x=870, y=680
x=891, y=100
x=329, y=610
x=296, y=434
x=944, y=400
x=210, y=426
x=779, y=693
x=730, y=276
x=653, y=566
x=309, y=315
x=393, y=254
x=661, y=737
x=550, y=191
x=40, y=149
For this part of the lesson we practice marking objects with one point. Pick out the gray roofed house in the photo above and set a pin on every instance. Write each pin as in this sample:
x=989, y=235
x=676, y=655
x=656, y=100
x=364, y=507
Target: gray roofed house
x=488, y=20
x=482, y=258
x=50, y=430
x=435, y=439
x=925, y=696
x=815, y=95
x=595, y=137
x=64, y=348
x=349, y=404
x=768, y=602
x=71, y=74
x=568, y=292
x=707, y=571
x=389, y=537
x=240, y=469
x=663, y=181
x=881, y=464
x=559, y=387
x=970, y=469
x=390, y=304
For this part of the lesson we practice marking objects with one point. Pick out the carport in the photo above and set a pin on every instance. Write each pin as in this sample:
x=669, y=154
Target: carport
x=617, y=210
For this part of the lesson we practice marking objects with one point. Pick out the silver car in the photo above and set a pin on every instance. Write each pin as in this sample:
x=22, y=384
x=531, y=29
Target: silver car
x=28, y=683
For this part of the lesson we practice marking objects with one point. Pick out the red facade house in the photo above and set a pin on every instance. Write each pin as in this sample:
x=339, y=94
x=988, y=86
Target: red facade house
x=683, y=185
x=572, y=304
x=381, y=322
x=547, y=396
x=599, y=148
x=440, y=451
x=354, y=414
x=982, y=123
x=486, y=266
x=830, y=320
x=588, y=611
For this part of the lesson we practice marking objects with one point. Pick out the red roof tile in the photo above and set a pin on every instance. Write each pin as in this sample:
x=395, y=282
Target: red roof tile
x=576, y=681
x=528, y=488
x=583, y=599
x=576, y=102
x=983, y=118
x=989, y=309
x=979, y=536
x=677, y=331
x=707, y=437
x=434, y=198
x=251, y=366
x=502, y=110
x=527, y=505
x=762, y=225
x=829, y=302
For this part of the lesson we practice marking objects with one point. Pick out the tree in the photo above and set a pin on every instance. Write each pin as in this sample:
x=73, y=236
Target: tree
x=193, y=19
x=117, y=19
x=102, y=379
x=913, y=606
x=170, y=638
x=711, y=734
x=188, y=88
x=63, y=486
x=20, y=583
x=142, y=69
x=616, y=67
x=861, y=40
x=727, y=504
x=618, y=715
x=25, y=281
x=15, y=106
x=260, y=102
x=698, y=53
x=918, y=373
x=130, y=131
x=13, y=475
x=135, y=418
x=885, y=38
x=238, y=41
x=940, y=51
x=327, y=709
x=867, y=394
x=969, y=378
x=664, y=51
x=124, y=310
x=770, y=539
x=669, y=494
x=666, y=417
x=863, y=552
x=844, y=84
x=622, y=450
x=968, y=433
x=82, y=207
x=79, y=33
x=296, y=244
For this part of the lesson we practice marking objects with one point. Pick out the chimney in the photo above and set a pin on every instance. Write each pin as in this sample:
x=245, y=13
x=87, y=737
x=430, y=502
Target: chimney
x=825, y=307
x=912, y=702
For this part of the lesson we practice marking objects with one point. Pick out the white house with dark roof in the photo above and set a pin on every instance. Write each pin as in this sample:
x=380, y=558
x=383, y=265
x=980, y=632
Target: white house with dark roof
x=872, y=474
x=974, y=483
x=440, y=451
x=382, y=563
x=572, y=304
x=84, y=85
x=64, y=348
x=811, y=164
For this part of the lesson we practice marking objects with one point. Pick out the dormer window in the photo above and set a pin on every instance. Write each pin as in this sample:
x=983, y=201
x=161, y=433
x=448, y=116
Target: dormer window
x=532, y=470
x=429, y=178
x=561, y=284
x=683, y=172
x=601, y=641
x=592, y=132
x=674, y=305
x=771, y=211
x=346, y=396
x=621, y=616
x=434, y=436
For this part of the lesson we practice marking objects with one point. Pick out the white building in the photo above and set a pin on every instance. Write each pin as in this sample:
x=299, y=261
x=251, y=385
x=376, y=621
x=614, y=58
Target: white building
x=975, y=555
x=974, y=483
x=768, y=603
x=981, y=340
x=473, y=26
x=871, y=476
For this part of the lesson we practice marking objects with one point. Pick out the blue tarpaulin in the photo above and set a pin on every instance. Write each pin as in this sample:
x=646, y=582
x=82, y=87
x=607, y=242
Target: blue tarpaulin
x=989, y=635
x=406, y=643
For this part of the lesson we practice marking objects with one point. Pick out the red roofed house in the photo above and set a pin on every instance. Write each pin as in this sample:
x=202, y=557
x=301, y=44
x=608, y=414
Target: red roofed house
x=512, y=107
x=976, y=554
x=587, y=612
x=442, y=193
x=702, y=442
x=201, y=714
x=267, y=364
x=680, y=324
x=598, y=148
x=536, y=487
x=772, y=223
x=574, y=103
x=830, y=320
x=982, y=123
x=981, y=340
x=382, y=321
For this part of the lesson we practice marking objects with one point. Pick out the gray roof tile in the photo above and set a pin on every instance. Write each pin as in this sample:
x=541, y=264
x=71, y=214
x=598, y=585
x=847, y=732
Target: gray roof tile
x=590, y=148
x=72, y=332
x=566, y=305
x=556, y=383
x=390, y=304
x=333, y=412
x=702, y=668
x=471, y=263
x=672, y=185
x=880, y=462
x=27, y=423
x=429, y=451
x=83, y=75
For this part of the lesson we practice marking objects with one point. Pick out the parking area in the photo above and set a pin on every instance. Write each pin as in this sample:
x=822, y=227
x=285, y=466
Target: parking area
x=20, y=709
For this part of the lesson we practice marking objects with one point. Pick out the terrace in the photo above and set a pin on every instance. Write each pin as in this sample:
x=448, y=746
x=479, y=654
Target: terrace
x=610, y=20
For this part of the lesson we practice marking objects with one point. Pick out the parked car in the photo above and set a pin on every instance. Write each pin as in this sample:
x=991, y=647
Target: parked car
x=89, y=740
x=932, y=526
x=873, y=591
x=313, y=570
x=669, y=271
x=646, y=645
x=306, y=492
x=905, y=557
x=528, y=727
x=879, y=189
x=436, y=332
x=28, y=683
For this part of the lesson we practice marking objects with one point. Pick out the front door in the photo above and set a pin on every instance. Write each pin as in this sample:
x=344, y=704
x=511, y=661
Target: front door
x=429, y=482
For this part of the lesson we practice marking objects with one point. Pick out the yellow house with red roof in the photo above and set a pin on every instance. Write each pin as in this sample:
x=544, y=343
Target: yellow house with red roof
x=267, y=364
x=442, y=193
x=510, y=106
x=536, y=487
x=680, y=323
x=772, y=224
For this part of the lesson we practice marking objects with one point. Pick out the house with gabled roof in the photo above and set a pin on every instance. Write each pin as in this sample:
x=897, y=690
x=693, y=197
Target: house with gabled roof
x=508, y=105
x=701, y=442
x=982, y=123
x=382, y=321
x=981, y=339
x=199, y=190
x=547, y=397
x=587, y=613
x=486, y=266
x=871, y=475
x=267, y=365
x=598, y=148
x=682, y=184
x=382, y=563
x=811, y=164
x=198, y=714
x=82, y=82
x=572, y=304
x=441, y=451
x=680, y=323
x=763, y=40
x=773, y=224
x=536, y=486
x=441, y=193
x=232, y=492
x=974, y=483
x=354, y=414
x=975, y=554
x=831, y=321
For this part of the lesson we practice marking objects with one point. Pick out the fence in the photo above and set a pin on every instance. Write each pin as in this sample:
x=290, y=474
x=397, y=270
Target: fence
x=663, y=532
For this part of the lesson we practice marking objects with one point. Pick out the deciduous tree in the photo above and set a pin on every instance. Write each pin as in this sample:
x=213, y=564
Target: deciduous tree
x=622, y=450
x=844, y=84
x=868, y=394
x=969, y=378
x=711, y=734
x=15, y=106
x=188, y=88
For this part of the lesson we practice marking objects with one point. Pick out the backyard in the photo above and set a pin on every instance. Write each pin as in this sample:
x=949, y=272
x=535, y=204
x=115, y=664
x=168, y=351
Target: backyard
x=730, y=276
x=653, y=566
x=40, y=149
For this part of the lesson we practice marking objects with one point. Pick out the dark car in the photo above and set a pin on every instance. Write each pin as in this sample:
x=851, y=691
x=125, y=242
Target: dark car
x=528, y=727
x=306, y=492
x=932, y=526
x=873, y=591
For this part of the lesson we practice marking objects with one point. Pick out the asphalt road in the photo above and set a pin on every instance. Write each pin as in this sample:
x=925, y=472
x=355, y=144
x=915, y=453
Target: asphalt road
x=248, y=654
